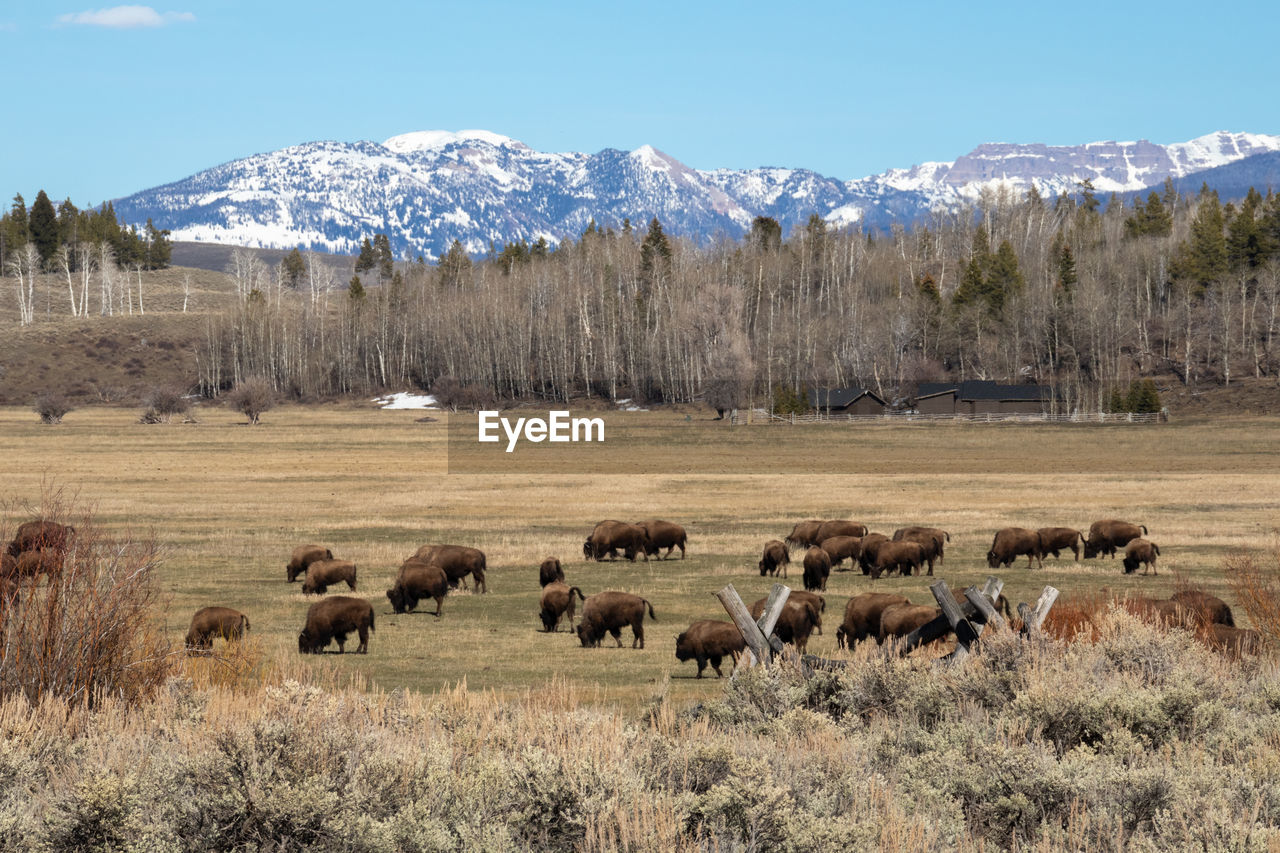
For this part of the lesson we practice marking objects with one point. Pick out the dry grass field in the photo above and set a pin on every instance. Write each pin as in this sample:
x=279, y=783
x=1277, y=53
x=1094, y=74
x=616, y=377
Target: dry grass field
x=228, y=502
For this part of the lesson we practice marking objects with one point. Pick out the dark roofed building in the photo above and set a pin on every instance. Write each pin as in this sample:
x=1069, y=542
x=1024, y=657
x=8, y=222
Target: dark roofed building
x=981, y=396
x=851, y=401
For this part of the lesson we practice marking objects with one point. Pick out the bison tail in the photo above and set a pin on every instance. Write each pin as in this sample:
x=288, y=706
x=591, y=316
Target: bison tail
x=244, y=621
x=652, y=615
x=574, y=589
x=371, y=615
x=1144, y=529
x=1156, y=548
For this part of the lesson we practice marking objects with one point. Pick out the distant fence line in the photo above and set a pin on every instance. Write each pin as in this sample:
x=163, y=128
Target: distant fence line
x=762, y=417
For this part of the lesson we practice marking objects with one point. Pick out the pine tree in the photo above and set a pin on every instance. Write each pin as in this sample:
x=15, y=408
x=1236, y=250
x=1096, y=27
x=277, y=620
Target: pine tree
x=1202, y=260
x=13, y=230
x=293, y=267
x=43, y=225
x=655, y=251
x=355, y=290
x=1088, y=201
x=382, y=254
x=766, y=233
x=158, y=248
x=1067, y=277
x=1034, y=198
x=68, y=223
x=1247, y=243
x=455, y=266
x=1005, y=277
x=367, y=260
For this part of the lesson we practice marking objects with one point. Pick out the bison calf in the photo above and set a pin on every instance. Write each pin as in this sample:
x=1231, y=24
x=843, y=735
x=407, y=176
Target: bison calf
x=326, y=573
x=416, y=581
x=333, y=619
x=775, y=558
x=1140, y=551
x=550, y=571
x=557, y=600
x=608, y=612
x=211, y=622
x=710, y=641
x=303, y=556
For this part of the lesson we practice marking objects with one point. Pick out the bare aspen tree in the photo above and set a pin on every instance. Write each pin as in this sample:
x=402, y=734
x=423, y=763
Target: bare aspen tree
x=24, y=265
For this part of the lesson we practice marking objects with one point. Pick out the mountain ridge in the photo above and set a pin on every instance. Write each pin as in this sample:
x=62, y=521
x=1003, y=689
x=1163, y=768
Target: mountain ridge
x=425, y=189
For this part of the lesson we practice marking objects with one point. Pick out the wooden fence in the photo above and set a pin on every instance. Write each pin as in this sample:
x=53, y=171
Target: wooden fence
x=762, y=417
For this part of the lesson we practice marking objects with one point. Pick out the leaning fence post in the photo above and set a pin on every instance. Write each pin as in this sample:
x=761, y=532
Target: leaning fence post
x=755, y=634
x=965, y=633
x=1032, y=619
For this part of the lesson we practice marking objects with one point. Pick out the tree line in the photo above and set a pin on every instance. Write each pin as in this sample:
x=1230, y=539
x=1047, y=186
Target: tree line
x=1077, y=294
x=81, y=246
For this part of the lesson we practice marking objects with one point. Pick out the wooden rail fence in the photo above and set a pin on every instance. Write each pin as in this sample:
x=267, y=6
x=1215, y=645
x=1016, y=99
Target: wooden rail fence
x=762, y=417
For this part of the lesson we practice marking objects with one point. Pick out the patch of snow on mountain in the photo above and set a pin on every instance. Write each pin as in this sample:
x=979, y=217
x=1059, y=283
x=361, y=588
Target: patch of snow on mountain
x=437, y=140
x=845, y=215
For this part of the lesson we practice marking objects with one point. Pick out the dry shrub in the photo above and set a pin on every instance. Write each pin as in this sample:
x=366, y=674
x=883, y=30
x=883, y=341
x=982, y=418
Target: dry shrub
x=163, y=404
x=87, y=631
x=1255, y=580
x=251, y=397
x=239, y=666
x=1077, y=616
x=51, y=407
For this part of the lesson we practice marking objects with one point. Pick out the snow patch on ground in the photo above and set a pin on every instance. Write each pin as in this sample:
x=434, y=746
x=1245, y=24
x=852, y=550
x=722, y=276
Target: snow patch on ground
x=627, y=406
x=406, y=400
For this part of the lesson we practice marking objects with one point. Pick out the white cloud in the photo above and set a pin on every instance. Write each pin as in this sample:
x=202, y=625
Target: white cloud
x=125, y=18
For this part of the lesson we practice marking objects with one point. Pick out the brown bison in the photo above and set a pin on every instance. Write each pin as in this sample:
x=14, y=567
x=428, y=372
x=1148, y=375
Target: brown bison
x=819, y=603
x=1011, y=543
x=817, y=568
x=28, y=564
x=550, y=571
x=1207, y=609
x=1160, y=611
x=608, y=612
x=211, y=622
x=710, y=641
x=333, y=619
x=415, y=581
x=1105, y=537
x=663, y=534
x=304, y=556
x=862, y=616
x=776, y=558
x=838, y=528
x=871, y=544
x=840, y=548
x=905, y=556
x=797, y=622
x=1140, y=551
x=325, y=573
x=804, y=534
x=40, y=535
x=458, y=561
x=899, y=620
x=610, y=536
x=1056, y=539
x=557, y=600
x=932, y=538
x=1234, y=642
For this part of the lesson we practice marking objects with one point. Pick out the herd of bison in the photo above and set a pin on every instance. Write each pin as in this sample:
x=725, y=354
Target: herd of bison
x=39, y=547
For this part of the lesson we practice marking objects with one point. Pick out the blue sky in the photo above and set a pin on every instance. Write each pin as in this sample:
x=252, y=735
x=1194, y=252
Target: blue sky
x=111, y=100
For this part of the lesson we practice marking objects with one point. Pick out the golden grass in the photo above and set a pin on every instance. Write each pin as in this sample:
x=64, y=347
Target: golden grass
x=229, y=502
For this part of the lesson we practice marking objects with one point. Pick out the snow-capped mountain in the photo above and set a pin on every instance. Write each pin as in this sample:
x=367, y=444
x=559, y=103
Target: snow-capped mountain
x=426, y=189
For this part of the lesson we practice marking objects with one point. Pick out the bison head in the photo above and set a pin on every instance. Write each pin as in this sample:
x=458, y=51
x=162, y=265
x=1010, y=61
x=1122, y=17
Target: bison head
x=1130, y=565
x=587, y=550
x=764, y=570
x=1090, y=550
x=992, y=560
x=396, y=596
x=305, y=644
x=587, y=635
x=682, y=650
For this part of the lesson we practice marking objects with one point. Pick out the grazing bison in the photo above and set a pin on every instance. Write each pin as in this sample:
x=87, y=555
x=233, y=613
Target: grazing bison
x=333, y=619
x=838, y=528
x=840, y=548
x=458, y=561
x=557, y=600
x=932, y=538
x=710, y=641
x=862, y=616
x=40, y=535
x=819, y=603
x=776, y=557
x=28, y=564
x=1105, y=537
x=1055, y=539
x=325, y=573
x=416, y=581
x=211, y=622
x=663, y=534
x=870, y=546
x=610, y=536
x=304, y=556
x=1011, y=543
x=1207, y=609
x=1140, y=551
x=817, y=568
x=1235, y=642
x=899, y=620
x=804, y=534
x=905, y=556
x=1161, y=611
x=550, y=571
x=608, y=612
x=799, y=619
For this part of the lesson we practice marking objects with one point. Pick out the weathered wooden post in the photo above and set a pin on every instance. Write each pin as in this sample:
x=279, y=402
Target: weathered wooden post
x=761, y=644
x=941, y=626
x=1033, y=619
